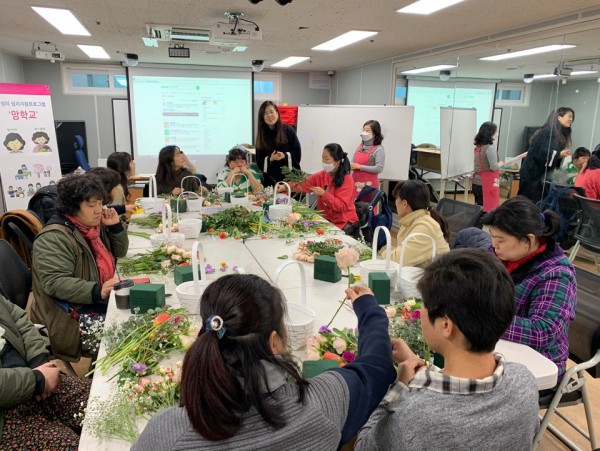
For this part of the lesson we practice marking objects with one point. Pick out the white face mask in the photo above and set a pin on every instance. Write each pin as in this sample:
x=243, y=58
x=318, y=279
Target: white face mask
x=328, y=167
x=366, y=136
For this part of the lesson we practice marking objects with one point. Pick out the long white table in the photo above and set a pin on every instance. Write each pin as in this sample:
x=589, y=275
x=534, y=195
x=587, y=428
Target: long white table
x=259, y=257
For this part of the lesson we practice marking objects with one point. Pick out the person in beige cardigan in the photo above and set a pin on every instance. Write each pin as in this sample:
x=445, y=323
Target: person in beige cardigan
x=417, y=216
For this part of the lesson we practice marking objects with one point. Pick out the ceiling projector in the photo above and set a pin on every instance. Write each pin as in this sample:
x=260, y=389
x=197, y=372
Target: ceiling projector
x=49, y=55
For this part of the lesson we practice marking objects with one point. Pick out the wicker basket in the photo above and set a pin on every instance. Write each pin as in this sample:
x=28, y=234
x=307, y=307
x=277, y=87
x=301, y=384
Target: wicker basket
x=189, y=293
x=193, y=205
x=374, y=265
x=278, y=211
x=301, y=320
x=408, y=276
x=152, y=204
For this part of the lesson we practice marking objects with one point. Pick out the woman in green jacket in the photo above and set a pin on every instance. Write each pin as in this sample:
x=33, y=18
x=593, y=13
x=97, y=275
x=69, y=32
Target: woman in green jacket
x=74, y=261
x=39, y=406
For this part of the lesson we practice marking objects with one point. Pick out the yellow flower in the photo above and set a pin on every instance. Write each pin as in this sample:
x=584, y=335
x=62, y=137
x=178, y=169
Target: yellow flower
x=357, y=277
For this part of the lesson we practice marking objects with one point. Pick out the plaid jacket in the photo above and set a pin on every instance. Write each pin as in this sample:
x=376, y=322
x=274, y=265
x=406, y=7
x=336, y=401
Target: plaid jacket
x=545, y=296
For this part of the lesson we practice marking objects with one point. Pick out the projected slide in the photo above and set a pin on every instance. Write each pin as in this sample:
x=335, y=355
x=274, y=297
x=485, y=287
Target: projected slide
x=428, y=96
x=193, y=113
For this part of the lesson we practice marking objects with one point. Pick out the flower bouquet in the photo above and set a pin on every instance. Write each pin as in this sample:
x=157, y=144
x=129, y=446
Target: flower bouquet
x=137, y=346
x=405, y=323
x=339, y=345
x=308, y=250
x=151, y=394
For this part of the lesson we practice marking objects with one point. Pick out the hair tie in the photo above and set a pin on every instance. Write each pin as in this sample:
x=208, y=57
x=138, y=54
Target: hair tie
x=215, y=323
x=543, y=217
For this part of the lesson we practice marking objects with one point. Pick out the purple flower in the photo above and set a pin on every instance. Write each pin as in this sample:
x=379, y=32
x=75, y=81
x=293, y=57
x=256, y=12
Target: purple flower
x=177, y=319
x=282, y=200
x=235, y=267
x=348, y=357
x=139, y=368
x=208, y=269
x=306, y=223
x=416, y=314
x=324, y=329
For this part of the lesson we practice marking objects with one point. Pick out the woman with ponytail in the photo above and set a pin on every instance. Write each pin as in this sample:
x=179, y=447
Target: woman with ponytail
x=334, y=187
x=241, y=389
x=544, y=278
x=416, y=216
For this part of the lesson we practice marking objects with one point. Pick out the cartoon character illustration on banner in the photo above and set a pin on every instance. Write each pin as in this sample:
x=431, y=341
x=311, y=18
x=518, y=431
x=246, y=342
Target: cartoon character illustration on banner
x=38, y=169
x=11, y=191
x=47, y=172
x=30, y=190
x=41, y=140
x=14, y=143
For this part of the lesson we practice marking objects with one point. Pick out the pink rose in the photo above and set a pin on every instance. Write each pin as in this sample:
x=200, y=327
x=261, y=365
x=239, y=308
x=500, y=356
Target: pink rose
x=416, y=314
x=390, y=312
x=340, y=345
x=321, y=338
x=312, y=355
x=346, y=257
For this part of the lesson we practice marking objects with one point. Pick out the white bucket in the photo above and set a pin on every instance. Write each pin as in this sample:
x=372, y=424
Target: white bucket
x=374, y=265
x=189, y=293
x=278, y=211
x=408, y=276
x=190, y=227
x=301, y=320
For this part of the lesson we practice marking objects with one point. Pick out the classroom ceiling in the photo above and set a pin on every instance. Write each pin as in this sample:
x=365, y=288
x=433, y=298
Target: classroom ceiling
x=466, y=31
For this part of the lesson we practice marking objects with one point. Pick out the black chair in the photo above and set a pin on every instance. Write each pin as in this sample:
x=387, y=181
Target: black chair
x=19, y=228
x=561, y=200
x=15, y=277
x=459, y=215
x=584, y=348
x=588, y=230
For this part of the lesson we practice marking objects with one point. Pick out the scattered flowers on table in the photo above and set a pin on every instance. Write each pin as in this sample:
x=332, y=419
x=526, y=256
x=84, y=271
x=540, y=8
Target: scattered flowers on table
x=137, y=346
x=405, y=323
x=340, y=345
x=150, y=394
x=166, y=258
x=112, y=417
x=223, y=267
x=92, y=328
x=308, y=250
x=208, y=269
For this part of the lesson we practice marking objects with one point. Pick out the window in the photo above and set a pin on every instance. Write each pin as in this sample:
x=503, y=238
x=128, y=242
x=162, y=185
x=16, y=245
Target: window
x=512, y=95
x=94, y=80
x=267, y=86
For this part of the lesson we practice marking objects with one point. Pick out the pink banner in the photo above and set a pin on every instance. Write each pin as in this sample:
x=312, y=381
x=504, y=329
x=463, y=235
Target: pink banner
x=19, y=88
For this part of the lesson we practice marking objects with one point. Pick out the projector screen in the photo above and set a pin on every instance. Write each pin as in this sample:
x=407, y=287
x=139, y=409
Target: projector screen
x=204, y=111
x=428, y=96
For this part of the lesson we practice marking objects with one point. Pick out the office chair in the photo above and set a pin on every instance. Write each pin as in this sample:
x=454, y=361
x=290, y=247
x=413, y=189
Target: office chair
x=459, y=215
x=588, y=229
x=584, y=347
x=15, y=277
x=80, y=154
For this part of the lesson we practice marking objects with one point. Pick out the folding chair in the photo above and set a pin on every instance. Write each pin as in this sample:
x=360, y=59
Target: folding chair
x=459, y=215
x=588, y=229
x=584, y=347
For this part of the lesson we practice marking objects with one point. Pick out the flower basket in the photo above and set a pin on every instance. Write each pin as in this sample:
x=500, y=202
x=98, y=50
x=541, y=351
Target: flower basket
x=167, y=238
x=408, y=276
x=189, y=293
x=278, y=211
x=152, y=204
x=375, y=265
x=193, y=205
x=301, y=320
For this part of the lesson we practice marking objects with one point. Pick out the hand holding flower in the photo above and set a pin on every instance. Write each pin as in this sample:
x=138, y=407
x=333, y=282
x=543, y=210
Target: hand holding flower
x=357, y=291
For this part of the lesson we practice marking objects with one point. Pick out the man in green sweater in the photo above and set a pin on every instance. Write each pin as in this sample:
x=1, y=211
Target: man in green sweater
x=39, y=406
x=478, y=401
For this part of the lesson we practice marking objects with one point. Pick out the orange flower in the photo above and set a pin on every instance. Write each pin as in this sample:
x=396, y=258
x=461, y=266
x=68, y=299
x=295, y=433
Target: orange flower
x=330, y=356
x=161, y=318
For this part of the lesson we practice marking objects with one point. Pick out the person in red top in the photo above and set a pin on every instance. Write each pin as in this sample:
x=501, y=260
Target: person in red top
x=334, y=187
x=589, y=177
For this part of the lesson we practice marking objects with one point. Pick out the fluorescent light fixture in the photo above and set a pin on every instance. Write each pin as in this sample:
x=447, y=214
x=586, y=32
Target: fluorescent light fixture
x=527, y=52
x=290, y=61
x=345, y=39
x=94, y=51
x=239, y=48
x=584, y=72
x=427, y=6
x=63, y=20
x=150, y=42
x=429, y=69
x=541, y=76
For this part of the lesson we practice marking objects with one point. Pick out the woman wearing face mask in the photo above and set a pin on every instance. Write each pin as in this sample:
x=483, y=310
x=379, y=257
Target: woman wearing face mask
x=369, y=158
x=334, y=188
x=486, y=187
x=274, y=142
x=549, y=146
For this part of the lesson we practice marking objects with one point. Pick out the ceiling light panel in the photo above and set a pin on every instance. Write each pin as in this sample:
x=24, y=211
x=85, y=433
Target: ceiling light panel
x=290, y=61
x=426, y=7
x=94, y=51
x=63, y=20
x=423, y=70
x=527, y=52
x=344, y=40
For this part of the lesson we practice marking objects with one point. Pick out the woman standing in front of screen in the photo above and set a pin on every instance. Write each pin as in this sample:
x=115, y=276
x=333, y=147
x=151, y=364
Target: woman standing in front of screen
x=276, y=144
x=369, y=158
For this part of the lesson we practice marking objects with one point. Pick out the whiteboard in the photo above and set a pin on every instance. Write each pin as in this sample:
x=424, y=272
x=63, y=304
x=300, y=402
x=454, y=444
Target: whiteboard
x=319, y=125
x=458, y=127
x=121, y=125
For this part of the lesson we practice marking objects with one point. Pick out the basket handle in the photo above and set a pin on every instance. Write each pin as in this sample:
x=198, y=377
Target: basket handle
x=191, y=176
x=302, y=278
x=167, y=220
x=197, y=249
x=275, y=191
x=388, y=248
x=239, y=174
x=183, y=193
x=412, y=235
x=152, y=187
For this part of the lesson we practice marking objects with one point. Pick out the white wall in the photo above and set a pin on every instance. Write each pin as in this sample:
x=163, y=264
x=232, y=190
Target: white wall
x=11, y=68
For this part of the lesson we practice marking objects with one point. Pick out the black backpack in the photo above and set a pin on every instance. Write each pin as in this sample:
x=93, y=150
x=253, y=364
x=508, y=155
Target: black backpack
x=365, y=204
x=43, y=203
x=561, y=201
